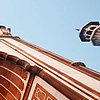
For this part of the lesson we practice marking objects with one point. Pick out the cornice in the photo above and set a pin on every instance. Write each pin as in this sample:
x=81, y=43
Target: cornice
x=26, y=66
x=60, y=86
x=80, y=66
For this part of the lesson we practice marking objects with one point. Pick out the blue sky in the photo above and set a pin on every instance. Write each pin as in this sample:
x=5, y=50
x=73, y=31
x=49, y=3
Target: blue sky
x=51, y=24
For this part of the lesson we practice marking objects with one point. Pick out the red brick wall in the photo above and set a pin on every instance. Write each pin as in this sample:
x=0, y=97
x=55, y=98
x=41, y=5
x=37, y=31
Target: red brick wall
x=12, y=80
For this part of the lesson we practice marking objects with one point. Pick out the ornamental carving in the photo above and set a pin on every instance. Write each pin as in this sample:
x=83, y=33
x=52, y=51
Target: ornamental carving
x=4, y=31
x=78, y=64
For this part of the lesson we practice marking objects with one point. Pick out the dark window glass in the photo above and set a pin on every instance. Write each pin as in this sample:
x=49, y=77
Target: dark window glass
x=87, y=36
x=89, y=32
x=92, y=28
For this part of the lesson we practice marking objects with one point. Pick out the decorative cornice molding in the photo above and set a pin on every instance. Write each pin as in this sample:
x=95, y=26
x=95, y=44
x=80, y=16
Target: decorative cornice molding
x=12, y=58
x=32, y=69
x=3, y=54
x=78, y=64
x=57, y=84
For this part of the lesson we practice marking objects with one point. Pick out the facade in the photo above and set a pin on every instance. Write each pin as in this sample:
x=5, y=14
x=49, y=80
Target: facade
x=90, y=32
x=28, y=72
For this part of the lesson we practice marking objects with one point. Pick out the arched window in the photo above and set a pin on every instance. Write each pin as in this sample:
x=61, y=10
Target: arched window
x=92, y=28
x=89, y=32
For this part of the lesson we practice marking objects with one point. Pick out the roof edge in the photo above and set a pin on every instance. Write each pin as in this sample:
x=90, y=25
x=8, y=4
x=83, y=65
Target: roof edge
x=63, y=60
x=54, y=56
x=62, y=88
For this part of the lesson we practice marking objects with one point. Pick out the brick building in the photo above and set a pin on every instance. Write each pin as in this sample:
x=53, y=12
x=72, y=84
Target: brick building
x=28, y=72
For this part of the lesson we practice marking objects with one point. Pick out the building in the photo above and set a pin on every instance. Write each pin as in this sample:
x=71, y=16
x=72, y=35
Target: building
x=28, y=72
x=90, y=32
